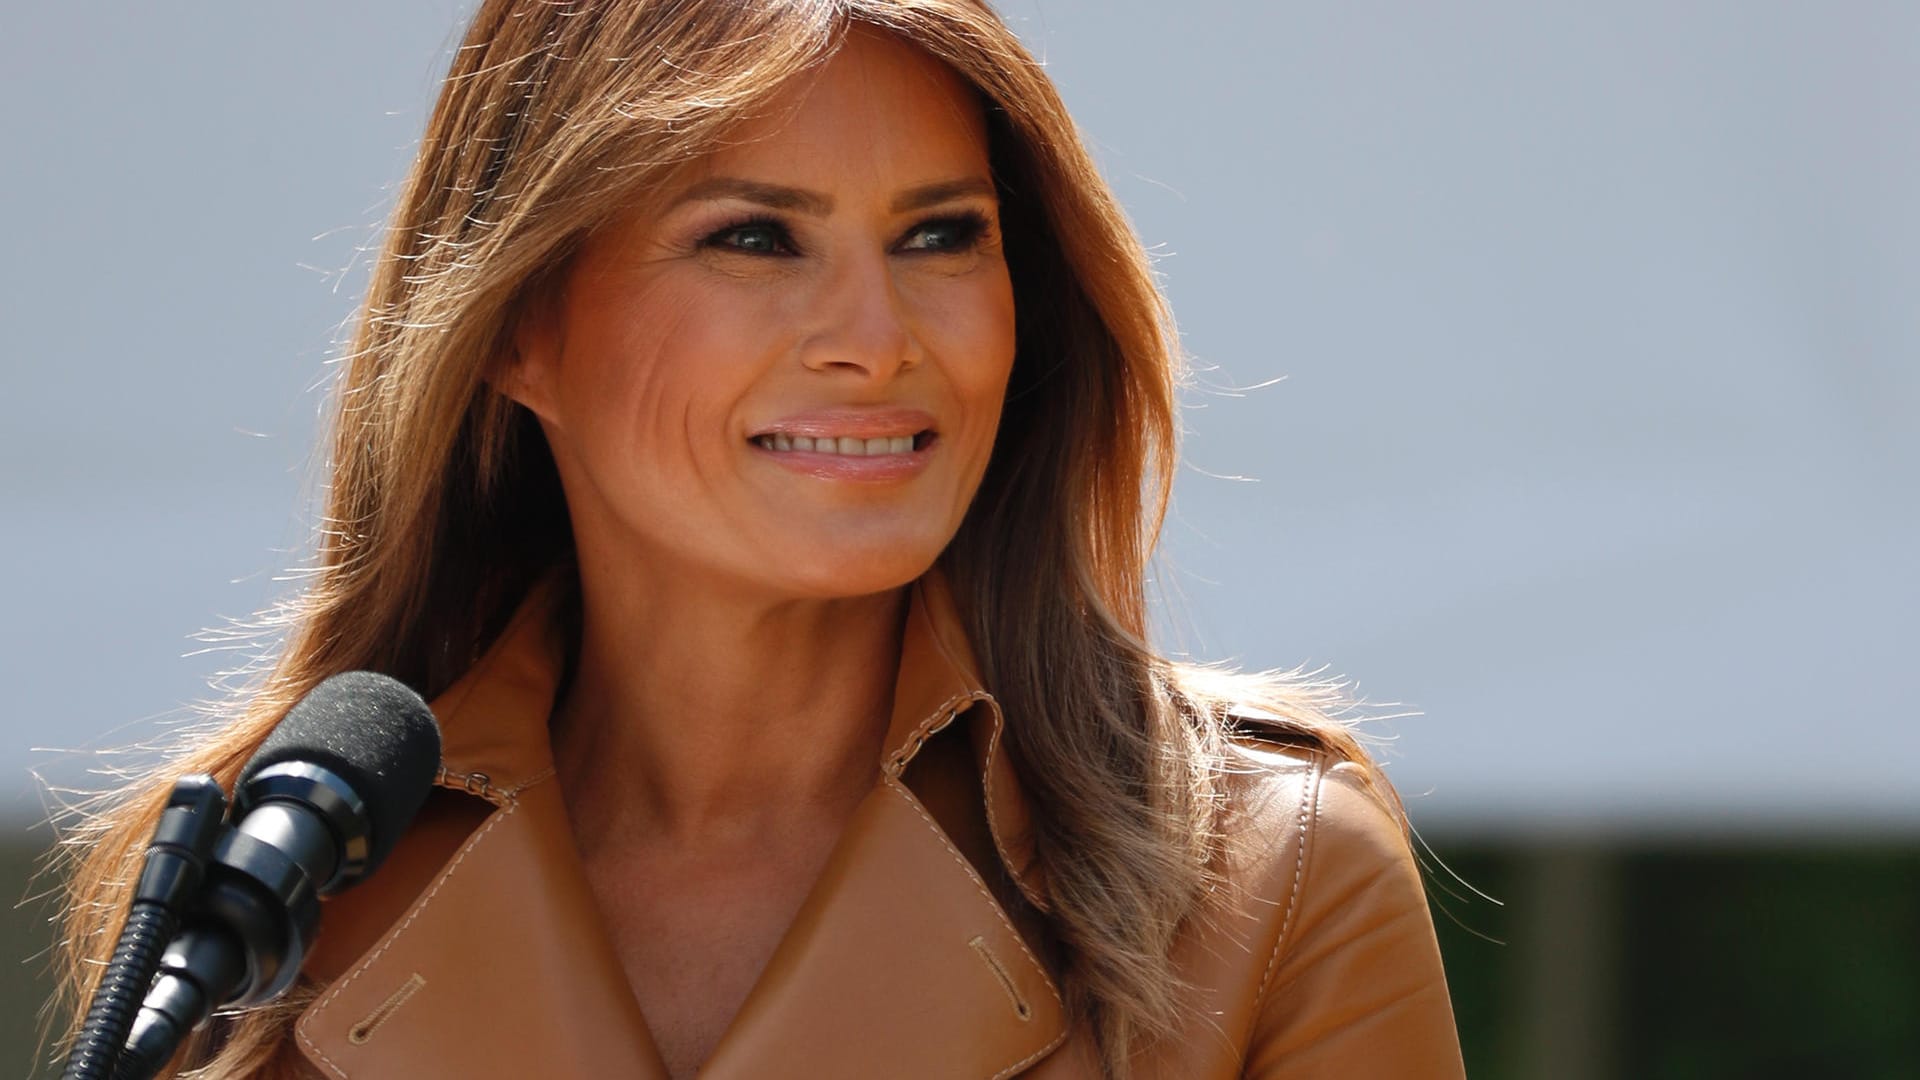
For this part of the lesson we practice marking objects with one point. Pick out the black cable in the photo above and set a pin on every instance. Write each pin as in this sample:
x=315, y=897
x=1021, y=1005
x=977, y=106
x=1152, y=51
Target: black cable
x=115, y=1001
x=169, y=880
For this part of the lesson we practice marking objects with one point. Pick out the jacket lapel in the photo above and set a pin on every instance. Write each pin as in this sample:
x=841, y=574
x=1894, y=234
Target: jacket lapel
x=499, y=969
x=900, y=961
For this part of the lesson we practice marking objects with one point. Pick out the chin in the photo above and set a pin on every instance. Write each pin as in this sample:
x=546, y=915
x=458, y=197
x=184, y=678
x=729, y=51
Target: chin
x=854, y=571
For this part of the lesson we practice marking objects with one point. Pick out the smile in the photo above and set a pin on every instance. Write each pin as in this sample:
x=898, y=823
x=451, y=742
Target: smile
x=847, y=445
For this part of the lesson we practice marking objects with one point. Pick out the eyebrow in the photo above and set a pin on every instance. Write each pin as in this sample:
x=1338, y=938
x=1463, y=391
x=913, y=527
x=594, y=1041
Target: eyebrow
x=818, y=204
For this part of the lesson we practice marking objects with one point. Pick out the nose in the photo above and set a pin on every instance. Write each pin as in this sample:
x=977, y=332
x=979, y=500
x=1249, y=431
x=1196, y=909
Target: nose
x=863, y=325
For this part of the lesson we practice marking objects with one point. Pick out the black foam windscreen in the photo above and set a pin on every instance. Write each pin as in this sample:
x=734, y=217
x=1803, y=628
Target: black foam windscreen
x=372, y=732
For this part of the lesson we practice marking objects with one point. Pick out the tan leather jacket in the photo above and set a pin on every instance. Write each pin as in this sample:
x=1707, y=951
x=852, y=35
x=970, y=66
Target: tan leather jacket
x=478, y=950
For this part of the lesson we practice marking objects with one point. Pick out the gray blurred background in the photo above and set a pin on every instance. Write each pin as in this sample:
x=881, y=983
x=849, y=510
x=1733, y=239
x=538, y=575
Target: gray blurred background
x=1598, y=442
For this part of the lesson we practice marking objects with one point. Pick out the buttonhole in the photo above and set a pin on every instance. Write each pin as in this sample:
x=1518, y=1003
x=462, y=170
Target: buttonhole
x=1020, y=1007
x=362, y=1031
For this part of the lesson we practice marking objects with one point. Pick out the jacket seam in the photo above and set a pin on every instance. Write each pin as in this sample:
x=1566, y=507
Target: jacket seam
x=1307, y=816
x=994, y=906
x=942, y=715
x=477, y=673
x=1033, y=1057
x=1017, y=873
x=974, y=877
x=513, y=793
x=302, y=1029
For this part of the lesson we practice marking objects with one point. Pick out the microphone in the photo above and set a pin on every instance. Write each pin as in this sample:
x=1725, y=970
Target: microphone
x=319, y=807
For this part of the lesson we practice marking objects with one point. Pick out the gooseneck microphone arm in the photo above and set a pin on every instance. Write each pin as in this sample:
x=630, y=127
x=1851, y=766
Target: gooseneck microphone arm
x=183, y=843
x=258, y=910
x=317, y=810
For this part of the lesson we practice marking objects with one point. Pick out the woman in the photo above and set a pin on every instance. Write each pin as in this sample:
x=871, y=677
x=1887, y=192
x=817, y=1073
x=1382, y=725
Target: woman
x=752, y=442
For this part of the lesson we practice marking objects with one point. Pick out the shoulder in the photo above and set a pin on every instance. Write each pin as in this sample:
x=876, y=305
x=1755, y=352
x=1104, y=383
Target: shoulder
x=1323, y=877
x=1289, y=791
x=1302, y=818
x=1292, y=764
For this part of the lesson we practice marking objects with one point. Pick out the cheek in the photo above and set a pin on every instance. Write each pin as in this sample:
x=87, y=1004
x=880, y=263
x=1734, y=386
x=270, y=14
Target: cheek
x=660, y=372
x=970, y=325
x=972, y=330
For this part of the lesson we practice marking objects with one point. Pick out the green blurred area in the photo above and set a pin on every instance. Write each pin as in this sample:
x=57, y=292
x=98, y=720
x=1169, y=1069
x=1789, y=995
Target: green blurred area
x=1655, y=964
x=1749, y=963
x=24, y=936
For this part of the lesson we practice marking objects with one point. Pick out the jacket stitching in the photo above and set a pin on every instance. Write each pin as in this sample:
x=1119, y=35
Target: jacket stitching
x=973, y=876
x=1308, y=814
x=477, y=784
x=481, y=785
x=994, y=906
x=1001, y=915
x=383, y=1012
x=304, y=1032
x=939, y=718
x=514, y=791
x=1033, y=1057
x=1020, y=1007
x=479, y=673
x=1018, y=873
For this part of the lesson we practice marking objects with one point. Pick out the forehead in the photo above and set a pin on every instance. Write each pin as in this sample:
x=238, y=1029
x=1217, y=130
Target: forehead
x=880, y=111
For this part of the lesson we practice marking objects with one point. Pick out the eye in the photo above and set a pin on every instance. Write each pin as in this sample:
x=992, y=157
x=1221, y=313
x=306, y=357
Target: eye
x=754, y=236
x=959, y=232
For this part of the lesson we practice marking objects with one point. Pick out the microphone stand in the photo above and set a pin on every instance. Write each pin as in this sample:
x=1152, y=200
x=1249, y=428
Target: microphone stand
x=170, y=878
x=224, y=912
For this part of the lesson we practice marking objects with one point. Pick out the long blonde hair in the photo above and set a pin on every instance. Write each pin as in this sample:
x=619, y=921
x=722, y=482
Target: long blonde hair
x=442, y=503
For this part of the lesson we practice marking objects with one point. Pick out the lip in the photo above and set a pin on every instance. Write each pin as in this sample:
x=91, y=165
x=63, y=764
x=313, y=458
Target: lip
x=881, y=468
x=855, y=423
x=891, y=423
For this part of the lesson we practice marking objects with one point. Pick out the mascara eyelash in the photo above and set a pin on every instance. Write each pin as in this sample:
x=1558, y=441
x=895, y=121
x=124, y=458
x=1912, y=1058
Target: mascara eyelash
x=752, y=221
x=973, y=228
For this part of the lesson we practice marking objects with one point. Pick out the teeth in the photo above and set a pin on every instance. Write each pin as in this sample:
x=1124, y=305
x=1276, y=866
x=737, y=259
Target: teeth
x=846, y=444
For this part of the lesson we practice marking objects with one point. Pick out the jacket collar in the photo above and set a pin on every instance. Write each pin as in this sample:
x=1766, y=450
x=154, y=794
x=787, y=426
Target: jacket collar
x=493, y=721
x=502, y=956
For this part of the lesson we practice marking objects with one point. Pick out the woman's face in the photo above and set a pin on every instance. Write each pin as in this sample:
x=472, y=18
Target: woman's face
x=833, y=278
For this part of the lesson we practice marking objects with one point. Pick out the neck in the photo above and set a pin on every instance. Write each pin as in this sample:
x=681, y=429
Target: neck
x=707, y=714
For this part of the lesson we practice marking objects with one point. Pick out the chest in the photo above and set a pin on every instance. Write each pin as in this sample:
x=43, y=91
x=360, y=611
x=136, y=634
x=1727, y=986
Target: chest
x=897, y=962
x=694, y=936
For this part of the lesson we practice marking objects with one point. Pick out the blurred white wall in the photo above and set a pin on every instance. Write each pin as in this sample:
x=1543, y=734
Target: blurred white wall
x=1599, y=439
